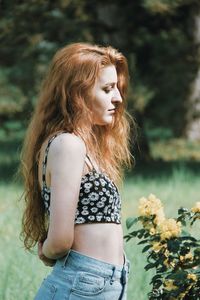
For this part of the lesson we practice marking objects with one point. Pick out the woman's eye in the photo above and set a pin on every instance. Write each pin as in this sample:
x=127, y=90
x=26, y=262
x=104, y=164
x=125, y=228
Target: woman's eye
x=107, y=90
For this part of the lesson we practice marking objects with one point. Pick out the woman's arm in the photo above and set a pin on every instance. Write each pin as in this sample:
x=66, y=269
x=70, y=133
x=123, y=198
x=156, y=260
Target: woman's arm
x=66, y=162
x=50, y=262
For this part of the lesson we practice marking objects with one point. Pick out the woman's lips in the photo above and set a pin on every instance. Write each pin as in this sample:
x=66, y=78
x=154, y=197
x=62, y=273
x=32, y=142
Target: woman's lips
x=112, y=111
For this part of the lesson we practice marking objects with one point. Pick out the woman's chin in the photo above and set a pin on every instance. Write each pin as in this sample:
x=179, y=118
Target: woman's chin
x=105, y=121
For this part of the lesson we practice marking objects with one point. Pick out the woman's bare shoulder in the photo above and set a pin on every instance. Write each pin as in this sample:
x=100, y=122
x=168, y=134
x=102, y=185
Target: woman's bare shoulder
x=67, y=143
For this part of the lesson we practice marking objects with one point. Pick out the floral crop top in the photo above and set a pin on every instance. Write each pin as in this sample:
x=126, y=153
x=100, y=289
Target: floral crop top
x=99, y=199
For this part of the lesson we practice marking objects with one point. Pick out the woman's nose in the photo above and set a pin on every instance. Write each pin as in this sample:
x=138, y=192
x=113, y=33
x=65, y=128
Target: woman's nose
x=117, y=96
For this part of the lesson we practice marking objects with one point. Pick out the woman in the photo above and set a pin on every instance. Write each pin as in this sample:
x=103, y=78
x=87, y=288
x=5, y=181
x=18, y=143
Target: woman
x=72, y=159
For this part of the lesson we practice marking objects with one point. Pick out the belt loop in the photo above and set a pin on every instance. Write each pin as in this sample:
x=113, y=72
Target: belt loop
x=111, y=279
x=123, y=278
x=128, y=266
x=125, y=259
x=65, y=258
x=126, y=263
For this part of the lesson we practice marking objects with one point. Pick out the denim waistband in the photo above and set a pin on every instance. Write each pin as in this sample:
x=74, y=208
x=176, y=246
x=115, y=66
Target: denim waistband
x=82, y=262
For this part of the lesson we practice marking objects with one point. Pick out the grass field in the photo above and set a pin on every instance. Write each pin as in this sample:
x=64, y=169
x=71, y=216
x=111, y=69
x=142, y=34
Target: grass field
x=21, y=272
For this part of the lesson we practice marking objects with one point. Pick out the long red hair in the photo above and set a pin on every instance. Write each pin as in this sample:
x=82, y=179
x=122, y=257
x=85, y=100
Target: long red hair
x=64, y=105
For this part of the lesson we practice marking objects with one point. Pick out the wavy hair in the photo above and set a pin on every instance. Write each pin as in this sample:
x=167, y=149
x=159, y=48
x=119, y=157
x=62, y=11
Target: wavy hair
x=64, y=105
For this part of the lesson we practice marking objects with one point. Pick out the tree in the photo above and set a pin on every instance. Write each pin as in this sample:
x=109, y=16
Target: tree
x=192, y=128
x=153, y=34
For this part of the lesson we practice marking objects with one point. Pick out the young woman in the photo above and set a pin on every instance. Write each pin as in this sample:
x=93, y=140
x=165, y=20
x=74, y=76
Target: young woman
x=75, y=148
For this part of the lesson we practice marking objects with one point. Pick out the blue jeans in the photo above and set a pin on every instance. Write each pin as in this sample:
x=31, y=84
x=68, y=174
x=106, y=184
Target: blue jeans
x=80, y=277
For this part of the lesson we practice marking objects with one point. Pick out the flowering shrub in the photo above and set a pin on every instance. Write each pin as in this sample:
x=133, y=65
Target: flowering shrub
x=172, y=252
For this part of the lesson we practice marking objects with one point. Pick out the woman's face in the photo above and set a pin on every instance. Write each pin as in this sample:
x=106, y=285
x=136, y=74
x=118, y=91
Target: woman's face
x=105, y=96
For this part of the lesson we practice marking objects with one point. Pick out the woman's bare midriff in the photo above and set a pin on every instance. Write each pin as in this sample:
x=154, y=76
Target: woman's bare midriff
x=103, y=241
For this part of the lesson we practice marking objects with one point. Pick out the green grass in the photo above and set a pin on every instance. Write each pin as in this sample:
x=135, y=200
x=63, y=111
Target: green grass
x=21, y=272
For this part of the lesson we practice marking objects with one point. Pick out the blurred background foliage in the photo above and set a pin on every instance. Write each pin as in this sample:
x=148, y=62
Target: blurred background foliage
x=160, y=38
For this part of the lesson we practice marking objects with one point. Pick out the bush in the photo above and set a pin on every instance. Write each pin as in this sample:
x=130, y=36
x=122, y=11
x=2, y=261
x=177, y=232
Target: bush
x=171, y=251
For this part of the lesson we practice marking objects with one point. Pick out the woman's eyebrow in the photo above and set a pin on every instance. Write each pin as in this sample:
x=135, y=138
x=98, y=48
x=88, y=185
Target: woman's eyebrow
x=109, y=83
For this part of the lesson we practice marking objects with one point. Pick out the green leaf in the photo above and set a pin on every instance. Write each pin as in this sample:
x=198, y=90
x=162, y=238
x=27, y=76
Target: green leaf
x=182, y=210
x=156, y=279
x=182, y=220
x=149, y=266
x=173, y=245
x=143, y=241
x=178, y=276
x=130, y=221
x=146, y=248
x=190, y=238
x=127, y=237
x=134, y=233
x=141, y=232
x=197, y=251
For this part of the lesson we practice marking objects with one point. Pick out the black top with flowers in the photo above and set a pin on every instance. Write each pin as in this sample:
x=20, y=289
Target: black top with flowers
x=99, y=199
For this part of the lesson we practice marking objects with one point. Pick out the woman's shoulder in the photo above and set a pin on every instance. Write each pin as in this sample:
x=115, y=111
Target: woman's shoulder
x=67, y=143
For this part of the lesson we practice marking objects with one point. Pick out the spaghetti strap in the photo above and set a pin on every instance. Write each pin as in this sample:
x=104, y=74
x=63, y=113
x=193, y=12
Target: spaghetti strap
x=44, y=163
x=90, y=162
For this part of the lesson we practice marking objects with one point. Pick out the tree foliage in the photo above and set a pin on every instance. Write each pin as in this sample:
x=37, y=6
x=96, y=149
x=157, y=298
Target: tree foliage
x=155, y=35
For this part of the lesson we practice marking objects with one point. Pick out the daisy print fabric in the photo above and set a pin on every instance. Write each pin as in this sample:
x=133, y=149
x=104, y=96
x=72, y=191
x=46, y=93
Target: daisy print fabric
x=99, y=200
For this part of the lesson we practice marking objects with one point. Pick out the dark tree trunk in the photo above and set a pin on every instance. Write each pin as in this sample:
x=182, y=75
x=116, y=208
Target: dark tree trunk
x=192, y=129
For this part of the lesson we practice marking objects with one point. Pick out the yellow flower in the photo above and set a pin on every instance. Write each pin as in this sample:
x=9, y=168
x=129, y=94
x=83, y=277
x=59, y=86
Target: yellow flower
x=160, y=216
x=193, y=277
x=152, y=231
x=169, y=264
x=166, y=263
x=166, y=253
x=157, y=247
x=169, y=285
x=196, y=208
x=151, y=206
x=181, y=296
x=169, y=228
x=188, y=256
